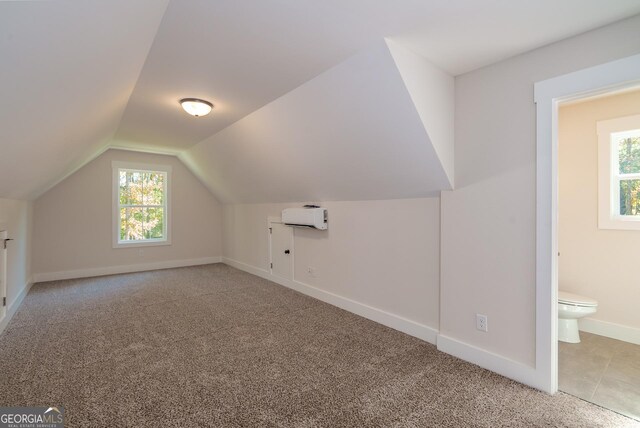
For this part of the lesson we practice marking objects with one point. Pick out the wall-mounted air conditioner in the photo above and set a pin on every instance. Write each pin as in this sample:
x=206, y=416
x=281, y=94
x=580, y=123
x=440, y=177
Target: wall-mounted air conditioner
x=307, y=217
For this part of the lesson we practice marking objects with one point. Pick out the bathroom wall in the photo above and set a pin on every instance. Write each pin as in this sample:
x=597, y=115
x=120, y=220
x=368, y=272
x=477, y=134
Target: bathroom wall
x=598, y=263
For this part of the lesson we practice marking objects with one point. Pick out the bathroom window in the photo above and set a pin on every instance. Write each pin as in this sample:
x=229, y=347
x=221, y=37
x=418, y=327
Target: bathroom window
x=619, y=173
x=140, y=205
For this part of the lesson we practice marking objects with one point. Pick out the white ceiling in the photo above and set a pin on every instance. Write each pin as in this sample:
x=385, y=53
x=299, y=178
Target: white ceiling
x=66, y=73
x=351, y=133
x=241, y=57
x=69, y=69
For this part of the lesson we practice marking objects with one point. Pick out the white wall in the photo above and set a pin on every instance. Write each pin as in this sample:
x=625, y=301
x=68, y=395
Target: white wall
x=354, y=132
x=488, y=222
x=73, y=221
x=433, y=93
x=599, y=263
x=382, y=254
x=16, y=216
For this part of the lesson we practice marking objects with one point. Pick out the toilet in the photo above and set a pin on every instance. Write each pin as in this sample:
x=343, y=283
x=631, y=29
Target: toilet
x=571, y=307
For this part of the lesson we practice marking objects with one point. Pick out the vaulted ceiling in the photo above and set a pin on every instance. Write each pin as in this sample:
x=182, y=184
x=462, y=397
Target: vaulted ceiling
x=79, y=76
x=358, y=131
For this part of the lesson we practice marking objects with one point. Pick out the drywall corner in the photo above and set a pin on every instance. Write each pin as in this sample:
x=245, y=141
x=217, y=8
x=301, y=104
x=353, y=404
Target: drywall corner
x=433, y=94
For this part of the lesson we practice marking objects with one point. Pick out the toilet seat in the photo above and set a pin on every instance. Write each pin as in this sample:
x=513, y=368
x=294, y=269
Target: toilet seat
x=565, y=298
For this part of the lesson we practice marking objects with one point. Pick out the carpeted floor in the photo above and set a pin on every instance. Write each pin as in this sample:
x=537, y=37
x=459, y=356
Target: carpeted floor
x=214, y=346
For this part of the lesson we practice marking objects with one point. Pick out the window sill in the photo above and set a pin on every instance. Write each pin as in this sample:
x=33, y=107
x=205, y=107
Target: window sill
x=134, y=244
x=619, y=223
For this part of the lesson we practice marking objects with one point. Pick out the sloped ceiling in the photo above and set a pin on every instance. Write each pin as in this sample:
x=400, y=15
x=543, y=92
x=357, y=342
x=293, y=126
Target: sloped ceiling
x=79, y=76
x=66, y=74
x=243, y=55
x=432, y=92
x=351, y=133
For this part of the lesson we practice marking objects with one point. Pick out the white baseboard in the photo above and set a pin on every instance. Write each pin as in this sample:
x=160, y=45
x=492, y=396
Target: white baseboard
x=490, y=361
x=12, y=308
x=609, y=329
x=396, y=322
x=263, y=273
x=112, y=270
x=485, y=359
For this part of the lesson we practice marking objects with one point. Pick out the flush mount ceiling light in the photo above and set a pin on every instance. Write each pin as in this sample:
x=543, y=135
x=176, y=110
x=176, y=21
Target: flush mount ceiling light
x=196, y=107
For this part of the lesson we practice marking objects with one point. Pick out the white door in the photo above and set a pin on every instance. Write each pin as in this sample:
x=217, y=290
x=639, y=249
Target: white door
x=3, y=275
x=281, y=250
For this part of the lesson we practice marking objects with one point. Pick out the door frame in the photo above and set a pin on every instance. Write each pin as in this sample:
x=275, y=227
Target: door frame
x=270, y=222
x=3, y=274
x=548, y=94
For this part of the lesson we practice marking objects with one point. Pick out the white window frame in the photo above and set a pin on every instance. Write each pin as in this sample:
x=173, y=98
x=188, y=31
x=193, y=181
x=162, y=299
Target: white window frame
x=117, y=166
x=608, y=177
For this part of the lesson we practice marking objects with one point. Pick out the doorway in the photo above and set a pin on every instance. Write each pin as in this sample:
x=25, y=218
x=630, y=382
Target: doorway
x=281, y=250
x=615, y=75
x=598, y=237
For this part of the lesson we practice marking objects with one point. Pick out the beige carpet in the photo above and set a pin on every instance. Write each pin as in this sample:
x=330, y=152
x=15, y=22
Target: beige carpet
x=214, y=346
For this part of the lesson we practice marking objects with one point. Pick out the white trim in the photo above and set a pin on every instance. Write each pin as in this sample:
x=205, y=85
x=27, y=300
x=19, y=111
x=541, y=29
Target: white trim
x=412, y=328
x=278, y=220
x=112, y=270
x=548, y=93
x=116, y=166
x=490, y=361
x=12, y=307
x=143, y=243
x=270, y=221
x=68, y=173
x=4, y=234
x=262, y=273
x=140, y=166
x=116, y=145
x=610, y=329
x=143, y=148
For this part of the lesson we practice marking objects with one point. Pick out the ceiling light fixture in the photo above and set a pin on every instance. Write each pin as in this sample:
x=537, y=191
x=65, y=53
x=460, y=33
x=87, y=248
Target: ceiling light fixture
x=196, y=107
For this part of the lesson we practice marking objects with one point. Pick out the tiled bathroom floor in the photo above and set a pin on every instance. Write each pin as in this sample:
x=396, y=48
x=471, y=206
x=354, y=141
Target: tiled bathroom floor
x=602, y=371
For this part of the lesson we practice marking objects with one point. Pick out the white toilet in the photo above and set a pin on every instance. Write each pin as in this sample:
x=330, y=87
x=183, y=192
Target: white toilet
x=571, y=307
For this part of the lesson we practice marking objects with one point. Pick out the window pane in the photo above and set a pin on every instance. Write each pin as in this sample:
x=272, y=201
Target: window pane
x=130, y=188
x=153, y=188
x=124, y=189
x=123, y=223
x=135, y=188
x=154, y=223
x=629, y=155
x=629, y=201
x=131, y=224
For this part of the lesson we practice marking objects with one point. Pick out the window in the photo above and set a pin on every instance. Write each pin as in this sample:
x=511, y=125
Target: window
x=141, y=204
x=619, y=173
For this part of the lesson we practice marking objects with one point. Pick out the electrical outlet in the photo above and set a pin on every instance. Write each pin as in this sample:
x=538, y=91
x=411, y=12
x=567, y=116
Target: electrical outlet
x=481, y=322
x=311, y=271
